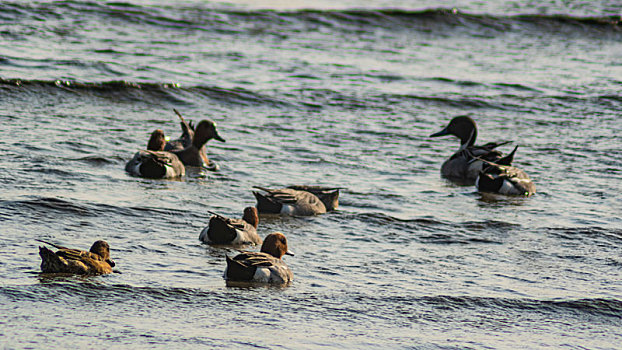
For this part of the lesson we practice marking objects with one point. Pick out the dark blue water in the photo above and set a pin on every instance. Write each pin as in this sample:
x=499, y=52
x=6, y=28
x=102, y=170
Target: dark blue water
x=340, y=93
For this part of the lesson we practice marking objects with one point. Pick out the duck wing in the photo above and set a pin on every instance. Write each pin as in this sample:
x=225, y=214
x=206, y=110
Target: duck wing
x=255, y=259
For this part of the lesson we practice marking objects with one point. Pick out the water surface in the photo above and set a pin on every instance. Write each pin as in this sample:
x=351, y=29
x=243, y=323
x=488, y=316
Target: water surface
x=341, y=93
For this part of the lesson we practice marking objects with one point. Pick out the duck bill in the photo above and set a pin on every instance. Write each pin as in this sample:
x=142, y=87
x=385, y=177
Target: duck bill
x=441, y=133
x=289, y=252
x=110, y=262
x=217, y=137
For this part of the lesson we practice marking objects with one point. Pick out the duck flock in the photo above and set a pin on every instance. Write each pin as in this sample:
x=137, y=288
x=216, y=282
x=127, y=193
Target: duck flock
x=483, y=166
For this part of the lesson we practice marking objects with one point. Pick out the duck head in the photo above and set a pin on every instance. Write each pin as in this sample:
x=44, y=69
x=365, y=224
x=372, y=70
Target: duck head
x=275, y=244
x=462, y=127
x=251, y=216
x=102, y=249
x=330, y=199
x=205, y=131
x=157, y=141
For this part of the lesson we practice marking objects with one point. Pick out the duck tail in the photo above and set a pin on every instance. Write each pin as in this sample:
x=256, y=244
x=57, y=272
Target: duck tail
x=266, y=204
x=219, y=231
x=50, y=243
x=265, y=189
x=50, y=262
x=507, y=160
x=237, y=271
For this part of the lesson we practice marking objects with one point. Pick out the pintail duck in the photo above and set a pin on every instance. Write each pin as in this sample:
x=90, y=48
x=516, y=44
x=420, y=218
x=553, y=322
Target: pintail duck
x=288, y=201
x=223, y=230
x=155, y=163
x=468, y=161
x=190, y=147
x=506, y=180
x=94, y=262
x=265, y=266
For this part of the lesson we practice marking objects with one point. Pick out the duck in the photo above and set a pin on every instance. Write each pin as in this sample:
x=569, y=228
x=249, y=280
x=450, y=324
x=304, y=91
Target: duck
x=224, y=230
x=265, y=266
x=154, y=162
x=96, y=261
x=507, y=180
x=328, y=195
x=466, y=164
x=194, y=154
x=288, y=201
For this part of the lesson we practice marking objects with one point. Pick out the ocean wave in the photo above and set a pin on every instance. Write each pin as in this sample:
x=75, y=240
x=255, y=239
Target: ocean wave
x=273, y=22
x=65, y=288
x=85, y=209
x=131, y=92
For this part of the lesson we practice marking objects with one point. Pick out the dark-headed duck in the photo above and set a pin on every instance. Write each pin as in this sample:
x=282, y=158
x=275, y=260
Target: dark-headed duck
x=466, y=164
x=194, y=155
x=265, y=266
x=155, y=163
x=224, y=230
x=94, y=262
x=288, y=201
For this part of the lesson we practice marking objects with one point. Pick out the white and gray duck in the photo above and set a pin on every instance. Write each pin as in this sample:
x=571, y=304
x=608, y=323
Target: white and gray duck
x=504, y=179
x=229, y=231
x=297, y=200
x=154, y=162
x=265, y=266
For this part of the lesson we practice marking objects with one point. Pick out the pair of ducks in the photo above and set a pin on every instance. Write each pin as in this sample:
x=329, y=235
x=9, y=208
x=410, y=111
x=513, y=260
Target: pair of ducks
x=168, y=159
x=484, y=165
x=265, y=266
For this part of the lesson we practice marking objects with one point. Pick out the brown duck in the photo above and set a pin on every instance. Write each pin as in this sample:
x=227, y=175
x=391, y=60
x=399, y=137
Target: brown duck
x=94, y=262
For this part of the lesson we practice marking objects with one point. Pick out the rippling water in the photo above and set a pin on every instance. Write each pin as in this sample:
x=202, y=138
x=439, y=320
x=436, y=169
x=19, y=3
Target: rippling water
x=342, y=93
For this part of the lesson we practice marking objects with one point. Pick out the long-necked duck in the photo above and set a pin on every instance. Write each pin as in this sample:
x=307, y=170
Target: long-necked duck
x=508, y=180
x=154, y=163
x=265, y=266
x=466, y=164
x=94, y=262
x=288, y=201
x=193, y=154
x=224, y=230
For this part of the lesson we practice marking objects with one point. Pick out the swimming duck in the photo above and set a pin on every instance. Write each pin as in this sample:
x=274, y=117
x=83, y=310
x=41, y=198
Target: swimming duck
x=223, y=230
x=506, y=180
x=154, y=163
x=193, y=155
x=328, y=195
x=265, y=266
x=94, y=262
x=468, y=161
x=288, y=201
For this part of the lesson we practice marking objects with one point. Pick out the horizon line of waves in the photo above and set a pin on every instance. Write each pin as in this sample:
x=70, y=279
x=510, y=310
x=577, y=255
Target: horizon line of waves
x=122, y=90
x=236, y=21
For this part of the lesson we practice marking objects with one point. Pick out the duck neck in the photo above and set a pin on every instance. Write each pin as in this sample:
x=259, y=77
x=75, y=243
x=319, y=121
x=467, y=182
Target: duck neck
x=468, y=139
